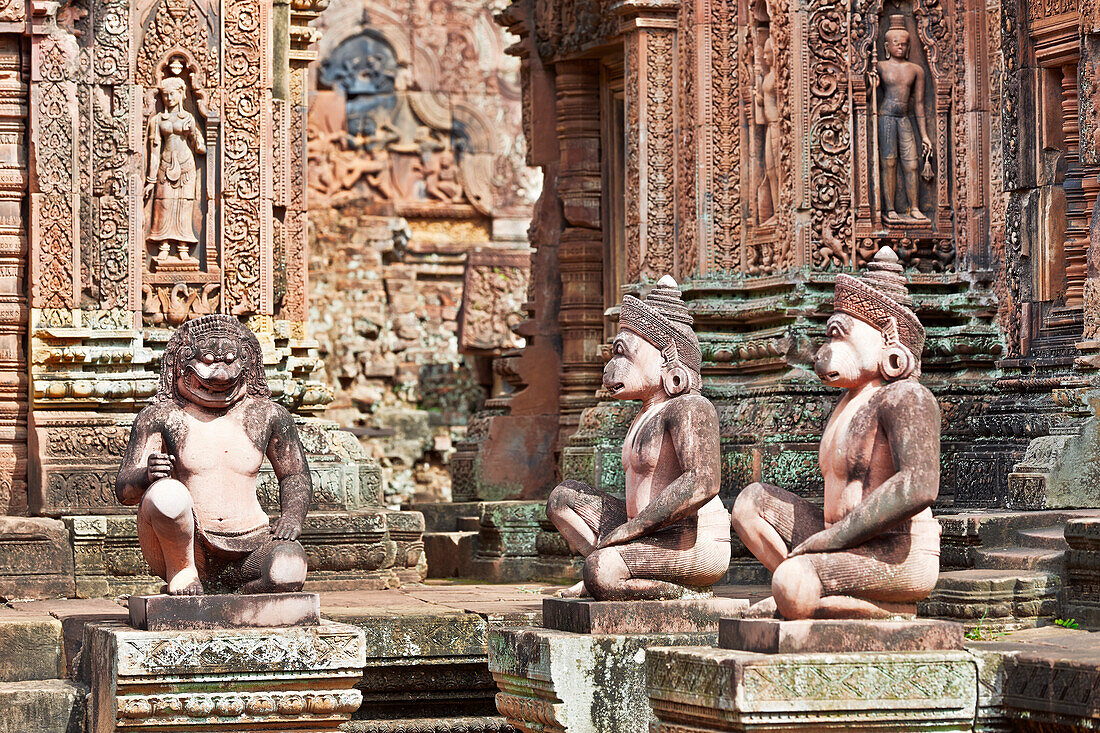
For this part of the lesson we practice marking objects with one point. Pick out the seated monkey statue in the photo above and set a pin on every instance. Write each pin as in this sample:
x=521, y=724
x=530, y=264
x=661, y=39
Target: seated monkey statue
x=671, y=535
x=873, y=550
x=193, y=460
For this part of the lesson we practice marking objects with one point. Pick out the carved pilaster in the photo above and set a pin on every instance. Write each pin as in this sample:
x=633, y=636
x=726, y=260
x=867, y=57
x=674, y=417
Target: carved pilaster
x=649, y=32
x=13, y=266
x=246, y=192
x=54, y=202
x=580, y=253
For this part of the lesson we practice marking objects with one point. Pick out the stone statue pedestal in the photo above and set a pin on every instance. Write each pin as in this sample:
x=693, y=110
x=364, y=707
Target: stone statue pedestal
x=811, y=675
x=174, y=613
x=295, y=679
x=589, y=682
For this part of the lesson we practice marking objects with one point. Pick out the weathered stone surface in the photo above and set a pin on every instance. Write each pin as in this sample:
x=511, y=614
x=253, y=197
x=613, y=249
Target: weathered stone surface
x=44, y=706
x=297, y=679
x=582, y=683
x=586, y=616
x=719, y=690
x=460, y=724
x=168, y=613
x=373, y=548
x=74, y=614
x=30, y=647
x=35, y=558
x=1001, y=599
x=773, y=636
x=426, y=653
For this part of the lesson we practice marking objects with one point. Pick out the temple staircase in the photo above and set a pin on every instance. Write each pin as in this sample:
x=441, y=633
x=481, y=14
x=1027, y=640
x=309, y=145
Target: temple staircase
x=1002, y=570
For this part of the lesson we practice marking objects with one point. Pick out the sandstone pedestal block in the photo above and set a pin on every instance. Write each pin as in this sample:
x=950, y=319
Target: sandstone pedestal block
x=773, y=636
x=705, y=689
x=586, y=616
x=166, y=613
x=553, y=680
x=294, y=680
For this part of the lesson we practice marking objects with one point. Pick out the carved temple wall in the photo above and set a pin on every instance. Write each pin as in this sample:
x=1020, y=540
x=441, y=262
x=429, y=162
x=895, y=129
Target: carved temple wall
x=755, y=148
x=420, y=201
x=154, y=169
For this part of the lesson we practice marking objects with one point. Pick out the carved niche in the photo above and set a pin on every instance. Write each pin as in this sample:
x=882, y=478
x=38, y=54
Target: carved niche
x=896, y=45
x=177, y=66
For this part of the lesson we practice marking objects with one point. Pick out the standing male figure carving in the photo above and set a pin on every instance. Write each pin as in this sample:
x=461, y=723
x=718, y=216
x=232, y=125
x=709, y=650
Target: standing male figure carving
x=902, y=81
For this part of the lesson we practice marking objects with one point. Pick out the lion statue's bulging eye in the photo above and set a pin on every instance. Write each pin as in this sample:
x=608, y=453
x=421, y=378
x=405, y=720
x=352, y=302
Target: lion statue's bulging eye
x=230, y=357
x=208, y=358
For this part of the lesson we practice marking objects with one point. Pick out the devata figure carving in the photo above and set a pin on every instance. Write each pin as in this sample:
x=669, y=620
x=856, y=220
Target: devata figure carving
x=672, y=533
x=902, y=81
x=874, y=550
x=193, y=460
x=767, y=100
x=172, y=181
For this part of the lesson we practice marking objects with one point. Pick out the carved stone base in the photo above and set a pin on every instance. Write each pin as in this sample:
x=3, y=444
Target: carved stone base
x=774, y=636
x=586, y=616
x=558, y=681
x=295, y=680
x=174, y=613
x=373, y=548
x=35, y=558
x=706, y=689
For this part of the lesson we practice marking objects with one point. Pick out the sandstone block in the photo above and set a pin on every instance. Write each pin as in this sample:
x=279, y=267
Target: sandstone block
x=163, y=612
x=295, y=680
x=30, y=647
x=707, y=690
x=43, y=706
x=586, y=616
x=36, y=559
x=773, y=636
x=582, y=683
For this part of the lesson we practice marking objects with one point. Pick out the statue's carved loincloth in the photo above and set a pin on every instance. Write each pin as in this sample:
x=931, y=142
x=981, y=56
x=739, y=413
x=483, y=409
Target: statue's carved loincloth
x=227, y=560
x=694, y=551
x=901, y=564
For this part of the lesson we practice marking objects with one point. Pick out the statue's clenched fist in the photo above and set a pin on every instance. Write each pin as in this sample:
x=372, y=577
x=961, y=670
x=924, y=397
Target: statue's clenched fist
x=160, y=466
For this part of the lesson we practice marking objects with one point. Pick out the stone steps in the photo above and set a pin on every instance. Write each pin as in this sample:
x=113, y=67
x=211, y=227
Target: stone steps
x=1019, y=558
x=42, y=706
x=996, y=598
x=1051, y=538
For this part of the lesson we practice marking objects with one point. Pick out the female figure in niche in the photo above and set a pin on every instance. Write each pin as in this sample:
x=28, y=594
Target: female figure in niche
x=768, y=102
x=174, y=139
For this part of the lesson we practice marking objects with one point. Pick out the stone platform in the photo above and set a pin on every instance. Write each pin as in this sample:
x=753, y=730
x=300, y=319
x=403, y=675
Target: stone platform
x=774, y=636
x=585, y=680
x=586, y=616
x=704, y=689
x=174, y=613
x=295, y=680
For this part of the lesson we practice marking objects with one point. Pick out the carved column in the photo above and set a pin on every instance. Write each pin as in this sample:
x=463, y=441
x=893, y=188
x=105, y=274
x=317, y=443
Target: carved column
x=580, y=253
x=246, y=188
x=13, y=267
x=649, y=38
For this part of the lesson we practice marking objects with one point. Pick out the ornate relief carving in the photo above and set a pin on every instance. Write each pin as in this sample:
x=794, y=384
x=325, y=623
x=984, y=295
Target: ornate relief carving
x=687, y=240
x=13, y=11
x=179, y=27
x=830, y=141
x=245, y=250
x=724, y=131
x=54, y=206
x=493, y=293
x=780, y=253
x=659, y=238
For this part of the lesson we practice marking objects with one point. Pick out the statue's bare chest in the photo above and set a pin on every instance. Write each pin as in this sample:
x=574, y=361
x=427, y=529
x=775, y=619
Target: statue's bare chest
x=848, y=442
x=221, y=444
x=644, y=441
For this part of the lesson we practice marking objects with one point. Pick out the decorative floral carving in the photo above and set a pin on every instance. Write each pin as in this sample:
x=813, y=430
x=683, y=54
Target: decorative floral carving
x=829, y=137
x=724, y=129
x=660, y=242
x=244, y=28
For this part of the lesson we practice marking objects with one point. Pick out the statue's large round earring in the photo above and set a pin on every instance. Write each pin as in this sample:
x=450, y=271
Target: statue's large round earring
x=676, y=380
x=896, y=363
